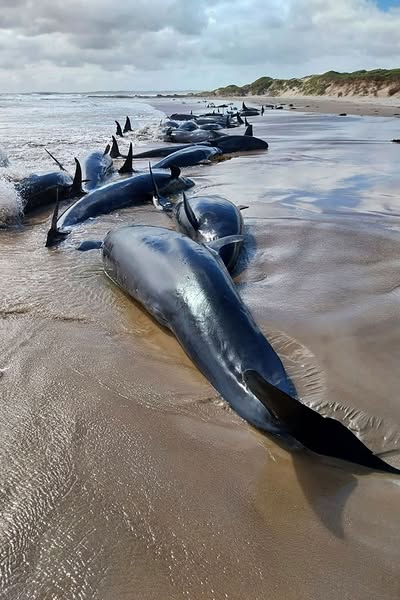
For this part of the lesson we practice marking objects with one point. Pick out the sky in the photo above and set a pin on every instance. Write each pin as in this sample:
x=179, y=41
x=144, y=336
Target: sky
x=87, y=45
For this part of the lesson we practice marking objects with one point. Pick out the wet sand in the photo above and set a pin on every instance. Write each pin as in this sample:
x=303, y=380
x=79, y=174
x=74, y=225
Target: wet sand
x=124, y=475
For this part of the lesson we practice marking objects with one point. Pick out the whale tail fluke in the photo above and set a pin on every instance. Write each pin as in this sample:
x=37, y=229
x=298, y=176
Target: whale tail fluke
x=160, y=202
x=55, y=235
x=322, y=435
x=127, y=126
x=127, y=166
x=119, y=130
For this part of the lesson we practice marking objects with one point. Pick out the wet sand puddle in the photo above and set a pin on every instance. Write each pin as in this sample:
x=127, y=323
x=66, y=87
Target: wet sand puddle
x=124, y=475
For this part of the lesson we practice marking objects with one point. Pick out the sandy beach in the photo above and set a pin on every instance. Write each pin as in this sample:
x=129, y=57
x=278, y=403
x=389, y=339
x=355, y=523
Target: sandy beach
x=123, y=474
x=352, y=105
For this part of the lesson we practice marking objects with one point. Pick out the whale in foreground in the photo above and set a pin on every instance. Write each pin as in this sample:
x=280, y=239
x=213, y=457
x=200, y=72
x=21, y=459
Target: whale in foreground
x=206, y=219
x=186, y=288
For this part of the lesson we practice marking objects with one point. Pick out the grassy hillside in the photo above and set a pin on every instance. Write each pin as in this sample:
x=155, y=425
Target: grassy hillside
x=379, y=82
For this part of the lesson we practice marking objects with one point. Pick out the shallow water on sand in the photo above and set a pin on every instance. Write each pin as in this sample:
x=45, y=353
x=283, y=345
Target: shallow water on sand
x=122, y=473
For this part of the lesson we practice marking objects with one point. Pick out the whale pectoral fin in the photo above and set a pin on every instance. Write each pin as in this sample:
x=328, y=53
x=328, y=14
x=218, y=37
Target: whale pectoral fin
x=322, y=435
x=217, y=245
x=56, y=161
x=55, y=235
x=242, y=207
x=127, y=166
x=191, y=217
x=160, y=203
x=90, y=245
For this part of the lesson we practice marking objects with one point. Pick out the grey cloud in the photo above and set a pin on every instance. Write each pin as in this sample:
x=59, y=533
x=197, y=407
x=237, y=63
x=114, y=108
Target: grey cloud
x=188, y=44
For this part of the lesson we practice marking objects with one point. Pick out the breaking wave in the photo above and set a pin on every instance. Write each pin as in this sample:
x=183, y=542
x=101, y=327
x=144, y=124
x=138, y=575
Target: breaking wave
x=10, y=203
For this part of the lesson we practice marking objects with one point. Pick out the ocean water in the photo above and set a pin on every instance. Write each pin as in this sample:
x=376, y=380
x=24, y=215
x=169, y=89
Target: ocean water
x=122, y=473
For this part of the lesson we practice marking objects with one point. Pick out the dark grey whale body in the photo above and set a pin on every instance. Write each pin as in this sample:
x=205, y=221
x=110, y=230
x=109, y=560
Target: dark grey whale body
x=206, y=219
x=114, y=196
x=189, y=156
x=39, y=190
x=186, y=287
x=98, y=166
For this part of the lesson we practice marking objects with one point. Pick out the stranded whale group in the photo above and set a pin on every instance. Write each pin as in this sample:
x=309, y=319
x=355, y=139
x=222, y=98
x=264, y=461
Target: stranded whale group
x=182, y=277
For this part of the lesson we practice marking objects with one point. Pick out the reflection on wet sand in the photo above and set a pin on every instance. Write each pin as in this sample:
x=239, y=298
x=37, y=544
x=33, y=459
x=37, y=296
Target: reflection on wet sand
x=123, y=474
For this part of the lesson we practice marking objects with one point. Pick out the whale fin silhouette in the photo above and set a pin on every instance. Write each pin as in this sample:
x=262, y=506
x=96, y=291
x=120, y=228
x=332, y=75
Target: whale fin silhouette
x=119, y=130
x=90, y=245
x=55, y=235
x=249, y=130
x=246, y=122
x=127, y=126
x=76, y=188
x=239, y=119
x=115, y=153
x=106, y=150
x=322, y=435
x=217, y=245
x=160, y=202
x=127, y=166
x=175, y=172
x=191, y=217
x=55, y=160
x=242, y=207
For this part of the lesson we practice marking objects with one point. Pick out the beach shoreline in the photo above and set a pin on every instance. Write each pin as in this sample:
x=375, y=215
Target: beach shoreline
x=353, y=105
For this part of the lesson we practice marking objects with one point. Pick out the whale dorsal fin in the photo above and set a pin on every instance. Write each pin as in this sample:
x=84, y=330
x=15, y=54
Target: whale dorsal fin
x=193, y=220
x=114, y=153
x=76, y=188
x=106, y=150
x=249, y=130
x=127, y=166
x=175, y=172
x=119, y=130
x=127, y=126
x=216, y=245
x=315, y=432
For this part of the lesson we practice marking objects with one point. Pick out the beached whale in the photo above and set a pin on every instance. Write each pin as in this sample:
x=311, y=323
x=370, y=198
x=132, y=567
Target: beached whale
x=39, y=190
x=97, y=167
x=206, y=219
x=166, y=150
x=239, y=143
x=114, y=196
x=189, y=156
x=186, y=287
x=188, y=137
